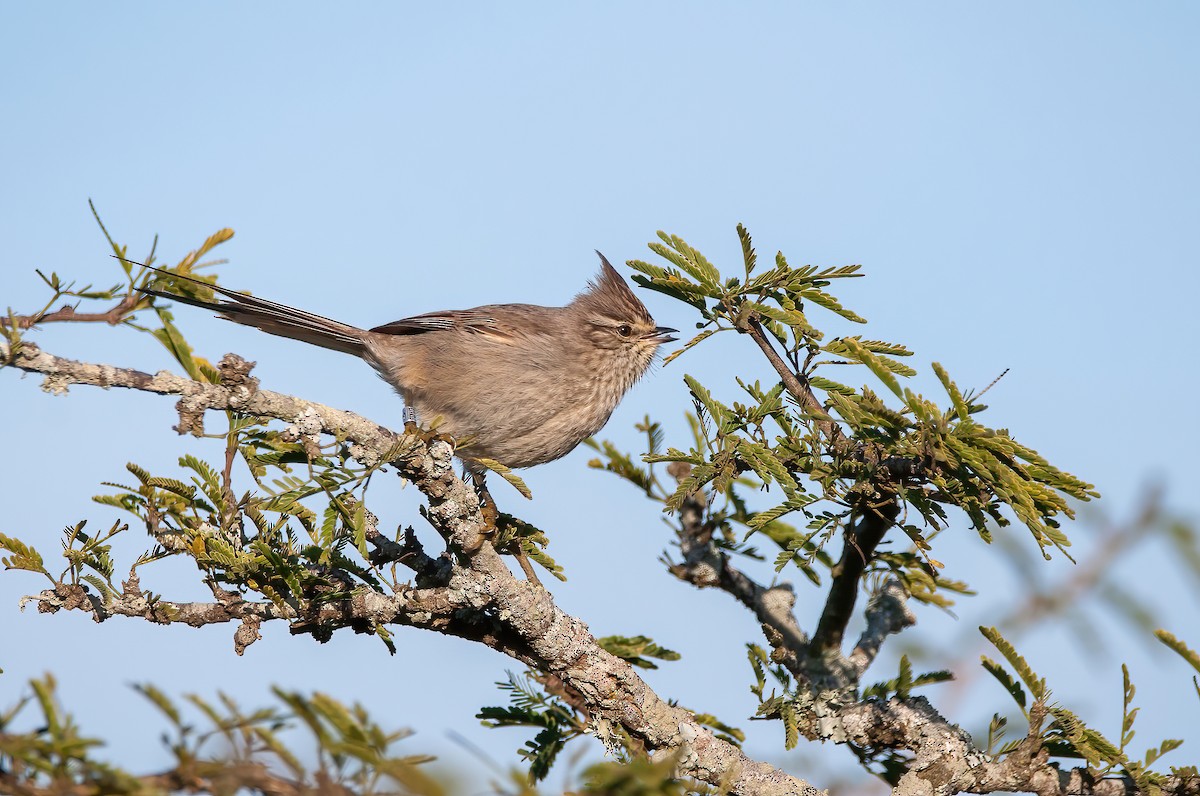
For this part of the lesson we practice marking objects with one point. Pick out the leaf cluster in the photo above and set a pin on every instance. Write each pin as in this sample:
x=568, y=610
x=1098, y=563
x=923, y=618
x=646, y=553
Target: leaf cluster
x=513, y=534
x=544, y=703
x=825, y=441
x=1066, y=735
x=228, y=750
x=530, y=706
x=130, y=298
x=902, y=685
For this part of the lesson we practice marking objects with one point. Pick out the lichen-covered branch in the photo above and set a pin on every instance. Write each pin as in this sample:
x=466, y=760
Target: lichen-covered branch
x=705, y=566
x=481, y=599
x=945, y=760
x=861, y=540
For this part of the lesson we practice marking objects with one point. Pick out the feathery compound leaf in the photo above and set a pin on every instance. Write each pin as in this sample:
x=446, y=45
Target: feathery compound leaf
x=748, y=256
x=724, y=731
x=828, y=385
x=100, y=586
x=173, y=340
x=23, y=556
x=1182, y=649
x=882, y=347
x=791, y=729
x=793, y=503
x=960, y=406
x=213, y=240
x=1036, y=685
x=186, y=491
x=766, y=466
x=1089, y=743
x=827, y=301
x=793, y=318
x=636, y=650
x=904, y=682
x=1127, y=716
x=703, y=335
x=160, y=701
x=718, y=411
x=507, y=474
x=539, y=556
x=687, y=258
x=140, y=473
x=621, y=464
x=758, y=662
x=875, y=364
x=1010, y=685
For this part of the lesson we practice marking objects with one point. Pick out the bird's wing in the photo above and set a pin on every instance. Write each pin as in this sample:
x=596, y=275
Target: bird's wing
x=489, y=321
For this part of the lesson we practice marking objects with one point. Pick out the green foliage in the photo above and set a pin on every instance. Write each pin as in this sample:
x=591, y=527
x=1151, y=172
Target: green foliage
x=639, y=777
x=726, y=732
x=530, y=706
x=780, y=705
x=844, y=446
x=1184, y=651
x=22, y=556
x=1067, y=735
x=230, y=748
x=637, y=650
x=728, y=518
x=508, y=475
x=274, y=543
x=1010, y=685
x=513, y=533
x=1035, y=684
x=820, y=451
x=901, y=686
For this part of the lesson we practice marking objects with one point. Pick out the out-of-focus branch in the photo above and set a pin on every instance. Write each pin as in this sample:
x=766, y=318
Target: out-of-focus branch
x=887, y=613
x=199, y=777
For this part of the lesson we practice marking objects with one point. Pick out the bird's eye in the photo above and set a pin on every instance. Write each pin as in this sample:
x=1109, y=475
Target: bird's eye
x=625, y=330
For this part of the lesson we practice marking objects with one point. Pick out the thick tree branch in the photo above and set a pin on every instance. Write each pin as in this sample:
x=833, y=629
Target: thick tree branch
x=861, y=540
x=887, y=613
x=524, y=620
x=946, y=761
x=705, y=566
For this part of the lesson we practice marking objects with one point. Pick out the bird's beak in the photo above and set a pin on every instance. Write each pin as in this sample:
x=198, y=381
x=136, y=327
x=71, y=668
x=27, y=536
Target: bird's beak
x=662, y=334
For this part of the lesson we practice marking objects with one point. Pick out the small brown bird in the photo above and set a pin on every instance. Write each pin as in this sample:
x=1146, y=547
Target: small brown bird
x=517, y=383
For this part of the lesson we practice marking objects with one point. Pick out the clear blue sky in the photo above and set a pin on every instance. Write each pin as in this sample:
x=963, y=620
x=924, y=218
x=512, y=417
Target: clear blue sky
x=1019, y=181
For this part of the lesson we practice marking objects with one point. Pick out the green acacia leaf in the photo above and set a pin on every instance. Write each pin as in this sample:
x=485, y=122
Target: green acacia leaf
x=1036, y=685
x=507, y=474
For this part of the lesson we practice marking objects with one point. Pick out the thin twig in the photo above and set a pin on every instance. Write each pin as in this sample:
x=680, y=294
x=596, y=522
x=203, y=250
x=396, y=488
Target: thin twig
x=67, y=313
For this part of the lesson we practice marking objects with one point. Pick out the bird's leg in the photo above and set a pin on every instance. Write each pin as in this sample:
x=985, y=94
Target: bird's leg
x=487, y=505
x=412, y=426
x=491, y=516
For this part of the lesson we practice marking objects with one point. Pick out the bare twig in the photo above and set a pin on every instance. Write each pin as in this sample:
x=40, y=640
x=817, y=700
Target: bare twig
x=67, y=313
x=705, y=566
x=793, y=383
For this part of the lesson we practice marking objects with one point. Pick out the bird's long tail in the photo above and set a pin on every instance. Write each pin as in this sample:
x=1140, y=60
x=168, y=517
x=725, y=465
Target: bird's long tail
x=270, y=316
